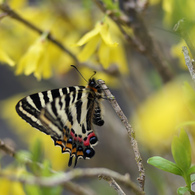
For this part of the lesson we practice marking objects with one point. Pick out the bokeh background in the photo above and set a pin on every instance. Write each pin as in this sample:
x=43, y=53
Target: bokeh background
x=157, y=108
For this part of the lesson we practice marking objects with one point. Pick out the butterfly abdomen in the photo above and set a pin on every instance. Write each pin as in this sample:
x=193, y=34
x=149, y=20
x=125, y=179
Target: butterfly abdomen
x=97, y=117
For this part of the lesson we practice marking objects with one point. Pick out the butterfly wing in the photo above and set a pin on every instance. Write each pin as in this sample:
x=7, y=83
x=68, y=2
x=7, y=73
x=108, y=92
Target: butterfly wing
x=29, y=107
x=73, y=117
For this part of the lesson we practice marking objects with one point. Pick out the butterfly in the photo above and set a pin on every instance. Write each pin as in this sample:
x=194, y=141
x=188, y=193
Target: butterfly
x=67, y=115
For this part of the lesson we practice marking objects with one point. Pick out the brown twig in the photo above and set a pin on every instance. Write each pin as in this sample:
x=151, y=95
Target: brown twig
x=113, y=184
x=61, y=179
x=188, y=62
x=6, y=148
x=130, y=132
x=78, y=189
x=142, y=40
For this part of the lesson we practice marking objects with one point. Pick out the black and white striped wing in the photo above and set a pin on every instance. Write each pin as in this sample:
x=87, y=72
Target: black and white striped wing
x=29, y=107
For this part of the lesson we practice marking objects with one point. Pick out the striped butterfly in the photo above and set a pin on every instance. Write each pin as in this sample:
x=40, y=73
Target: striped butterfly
x=66, y=114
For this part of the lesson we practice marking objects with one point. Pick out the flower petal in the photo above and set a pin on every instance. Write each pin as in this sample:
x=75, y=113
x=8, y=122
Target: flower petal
x=105, y=34
x=89, y=49
x=29, y=62
x=104, y=55
x=43, y=68
x=6, y=59
x=88, y=36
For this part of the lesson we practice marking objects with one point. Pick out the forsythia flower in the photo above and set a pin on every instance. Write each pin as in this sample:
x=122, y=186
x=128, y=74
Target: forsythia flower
x=4, y=58
x=98, y=41
x=12, y=187
x=99, y=36
x=158, y=118
x=36, y=60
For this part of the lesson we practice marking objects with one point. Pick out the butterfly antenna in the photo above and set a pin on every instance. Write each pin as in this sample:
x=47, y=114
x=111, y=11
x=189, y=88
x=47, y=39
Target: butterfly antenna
x=79, y=72
x=94, y=72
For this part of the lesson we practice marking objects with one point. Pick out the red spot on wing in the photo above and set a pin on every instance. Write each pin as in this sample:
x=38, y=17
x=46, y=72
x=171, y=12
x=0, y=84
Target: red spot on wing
x=87, y=141
x=79, y=139
x=72, y=134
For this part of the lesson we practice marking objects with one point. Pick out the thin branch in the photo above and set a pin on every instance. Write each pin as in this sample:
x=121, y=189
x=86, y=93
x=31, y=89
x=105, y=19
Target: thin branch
x=130, y=132
x=7, y=149
x=78, y=189
x=61, y=179
x=113, y=184
x=188, y=62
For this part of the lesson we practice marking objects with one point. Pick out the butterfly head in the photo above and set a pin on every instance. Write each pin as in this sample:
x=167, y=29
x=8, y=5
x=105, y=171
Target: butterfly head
x=93, y=86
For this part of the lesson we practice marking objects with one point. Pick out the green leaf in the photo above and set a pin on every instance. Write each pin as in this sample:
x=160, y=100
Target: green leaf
x=191, y=170
x=111, y=4
x=37, y=151
x=32, y=190
x=46, y=171
x=181, y=151
x=182, y=191
x=23, y=156
x=164, y=165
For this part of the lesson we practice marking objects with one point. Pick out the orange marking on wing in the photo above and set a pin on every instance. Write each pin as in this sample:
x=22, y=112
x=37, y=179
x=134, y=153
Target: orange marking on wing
x=59, y=142
x=69, y=146
x=80, y=153
x=92, y=88
x=65, y=138
x=64, y=130
x=74, y=150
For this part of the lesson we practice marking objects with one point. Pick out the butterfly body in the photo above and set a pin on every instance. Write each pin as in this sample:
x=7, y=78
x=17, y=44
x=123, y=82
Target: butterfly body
x=66, y=114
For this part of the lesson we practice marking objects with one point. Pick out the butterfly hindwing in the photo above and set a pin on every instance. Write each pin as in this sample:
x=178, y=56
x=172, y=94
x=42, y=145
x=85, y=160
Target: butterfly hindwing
x=75, y=123
x=66, y=114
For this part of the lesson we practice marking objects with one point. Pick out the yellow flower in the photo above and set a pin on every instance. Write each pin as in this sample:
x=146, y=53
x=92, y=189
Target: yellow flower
x=98, y=37
x=189, y=97
x=9, y=187
x=15, y=4
x=4, y=58
x=158, y=118
x=36, y=60
x=101, y=49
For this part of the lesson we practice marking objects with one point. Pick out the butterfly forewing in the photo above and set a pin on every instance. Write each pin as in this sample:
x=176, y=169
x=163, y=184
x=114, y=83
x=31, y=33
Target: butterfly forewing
x=66, y=114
